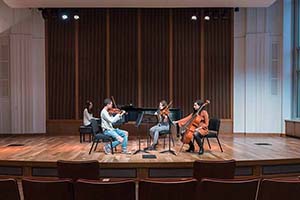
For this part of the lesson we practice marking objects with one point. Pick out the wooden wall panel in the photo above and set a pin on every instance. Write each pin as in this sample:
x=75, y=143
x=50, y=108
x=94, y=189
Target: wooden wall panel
x=123, y=55
x=139, y=56
x=186, y=59
x=155, y=56
x=61, y=69
x=217, y=62
x=92, y=57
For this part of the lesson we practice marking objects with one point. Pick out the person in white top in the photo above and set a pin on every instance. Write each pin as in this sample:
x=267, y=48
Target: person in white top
x=87, y=114
x=107, y=120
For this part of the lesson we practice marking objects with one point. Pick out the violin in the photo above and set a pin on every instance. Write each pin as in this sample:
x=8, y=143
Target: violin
x=165, y=111
x=115, y=110
x=189, y=128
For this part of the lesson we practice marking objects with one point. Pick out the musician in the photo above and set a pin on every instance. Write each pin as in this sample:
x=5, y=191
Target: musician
x=107, y=120
x=163, y=123
x=201, y=130
x=87, y=114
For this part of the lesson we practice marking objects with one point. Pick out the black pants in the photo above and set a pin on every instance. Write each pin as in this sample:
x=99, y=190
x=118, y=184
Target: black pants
x=198, y=137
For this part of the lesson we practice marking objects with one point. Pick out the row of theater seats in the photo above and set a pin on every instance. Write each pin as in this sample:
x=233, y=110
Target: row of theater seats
x=206, y=189
x=212, y=180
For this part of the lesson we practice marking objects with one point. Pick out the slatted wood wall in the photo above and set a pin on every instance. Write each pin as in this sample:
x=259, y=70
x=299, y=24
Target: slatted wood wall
x=139, y=56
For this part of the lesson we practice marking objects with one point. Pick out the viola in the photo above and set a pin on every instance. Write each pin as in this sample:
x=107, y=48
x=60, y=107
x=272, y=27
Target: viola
x=115, y=110
x=189, y=128
x=165, y=111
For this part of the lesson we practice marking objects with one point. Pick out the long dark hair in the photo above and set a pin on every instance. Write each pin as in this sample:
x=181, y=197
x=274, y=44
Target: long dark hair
x=200, y=103
x=164, y=103
x=87, y=106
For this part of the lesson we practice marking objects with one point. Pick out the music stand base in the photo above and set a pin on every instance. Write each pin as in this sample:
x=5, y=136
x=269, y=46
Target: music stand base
x=140, y=151
x=169, y=151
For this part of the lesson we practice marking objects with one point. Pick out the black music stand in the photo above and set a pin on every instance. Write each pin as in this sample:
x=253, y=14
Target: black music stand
x=169, y=150
x=138, y=123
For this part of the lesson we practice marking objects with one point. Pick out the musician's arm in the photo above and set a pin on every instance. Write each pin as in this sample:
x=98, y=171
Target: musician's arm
x=182, y=121
x=111, y=119
x=205, y=116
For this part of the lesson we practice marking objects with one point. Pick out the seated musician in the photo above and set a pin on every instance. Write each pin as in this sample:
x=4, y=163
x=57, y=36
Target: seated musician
x=163, y=124
x=87, y=113
x=202, y=128
x=107, y=120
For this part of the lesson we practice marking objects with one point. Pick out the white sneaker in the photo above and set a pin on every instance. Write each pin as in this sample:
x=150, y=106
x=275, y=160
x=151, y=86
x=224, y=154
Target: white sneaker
x=126, y=152
x=107, y=149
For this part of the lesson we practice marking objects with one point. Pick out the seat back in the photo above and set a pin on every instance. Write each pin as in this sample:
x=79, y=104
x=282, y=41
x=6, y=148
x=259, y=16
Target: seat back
x=78, y=169
x=175, y=190
x=214, y=124
x=224, y=169
x=94, y=190
x=95, y=127
x=213, y=189
x=47, y=189
x=279, y=189
x=9, y=189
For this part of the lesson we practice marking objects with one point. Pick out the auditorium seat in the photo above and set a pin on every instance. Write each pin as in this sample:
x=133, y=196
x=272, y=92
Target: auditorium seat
x=216, y=189
x=78, y=169
x=271, y=189
x=98, y=190
x=223, y=169
x=162, y=190
x=9, y=189
x=47, y=189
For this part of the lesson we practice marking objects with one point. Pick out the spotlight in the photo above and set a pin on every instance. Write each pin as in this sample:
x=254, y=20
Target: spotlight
x=64, y=17
x=194, y=17
x=76, y=17
x=207, y=18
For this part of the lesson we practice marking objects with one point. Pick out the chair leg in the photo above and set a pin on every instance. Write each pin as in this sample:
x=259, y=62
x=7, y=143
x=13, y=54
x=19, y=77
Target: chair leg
x=219, y=144
x=208, y=143
x=92, y=147
x=90, y=137
x=164, y=141
x=96, y=145
x=80, y=137
x=111, y=147
x=83, y=136
x=172, y=138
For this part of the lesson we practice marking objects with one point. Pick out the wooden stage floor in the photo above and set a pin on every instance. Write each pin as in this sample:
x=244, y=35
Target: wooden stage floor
x=38, y=156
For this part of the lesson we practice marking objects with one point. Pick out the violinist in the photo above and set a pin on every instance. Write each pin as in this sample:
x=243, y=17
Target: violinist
x=107, y=120
x=163, y=123
x=202, y=127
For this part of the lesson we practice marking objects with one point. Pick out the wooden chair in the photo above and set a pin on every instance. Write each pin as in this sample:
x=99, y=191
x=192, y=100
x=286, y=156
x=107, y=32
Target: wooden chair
x=47, y=189
x=271, y=189
x=224, y=169
x=213, y=189
x=162, y=190
x=97, y=190
x=78, y=169
x=9, y=189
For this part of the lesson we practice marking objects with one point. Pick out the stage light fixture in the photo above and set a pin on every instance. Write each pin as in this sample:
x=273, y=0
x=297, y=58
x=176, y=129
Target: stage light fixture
x=194, y=17
x=64, y=16
x=76, y=17
x=207, y=18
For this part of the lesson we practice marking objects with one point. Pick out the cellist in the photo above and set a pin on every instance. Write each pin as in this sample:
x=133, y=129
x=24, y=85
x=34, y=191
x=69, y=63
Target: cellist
x=202, y=128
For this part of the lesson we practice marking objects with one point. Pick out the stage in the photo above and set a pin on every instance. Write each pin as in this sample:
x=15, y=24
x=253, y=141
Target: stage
x=256, y=155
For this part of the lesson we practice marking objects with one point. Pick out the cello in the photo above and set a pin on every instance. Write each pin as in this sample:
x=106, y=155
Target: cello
x=188, y=129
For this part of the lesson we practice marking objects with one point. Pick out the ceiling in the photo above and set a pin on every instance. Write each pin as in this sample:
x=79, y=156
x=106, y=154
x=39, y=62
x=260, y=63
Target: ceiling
x=137, y=3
